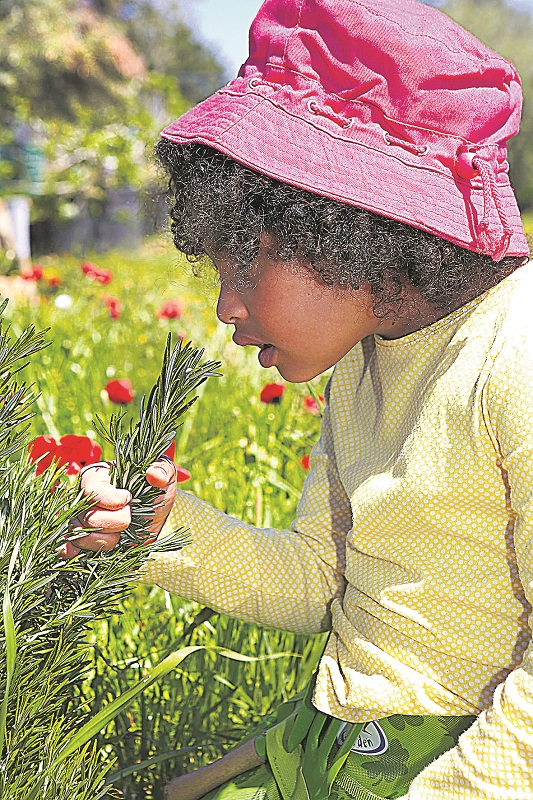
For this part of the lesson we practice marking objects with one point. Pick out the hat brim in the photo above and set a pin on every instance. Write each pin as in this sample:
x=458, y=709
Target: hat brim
x=256, y=132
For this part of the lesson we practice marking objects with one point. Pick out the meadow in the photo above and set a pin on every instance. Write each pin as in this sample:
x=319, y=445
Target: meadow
x=244, y=444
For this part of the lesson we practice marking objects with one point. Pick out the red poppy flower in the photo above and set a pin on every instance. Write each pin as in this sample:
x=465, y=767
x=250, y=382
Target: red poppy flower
x=305, y=461
x=94, y=273
x=120, y=391
x=43, y=446
x=311, y=405
x=170, y=452
x=113, y=305
x=33, y=273
x=171, y=309
x=272, y=392
x=182, y=474
x=75, y=452
x=72, y=452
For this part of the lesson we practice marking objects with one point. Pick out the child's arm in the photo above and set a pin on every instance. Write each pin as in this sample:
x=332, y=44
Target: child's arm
x=494, y=758
x=281, y=578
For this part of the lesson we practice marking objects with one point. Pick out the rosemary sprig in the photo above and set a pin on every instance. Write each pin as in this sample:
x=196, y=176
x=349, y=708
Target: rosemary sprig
x=159, y=418
x=47, y=604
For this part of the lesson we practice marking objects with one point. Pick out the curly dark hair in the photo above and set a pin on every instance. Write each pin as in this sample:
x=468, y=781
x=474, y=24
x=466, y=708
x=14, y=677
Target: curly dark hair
x=217, y=203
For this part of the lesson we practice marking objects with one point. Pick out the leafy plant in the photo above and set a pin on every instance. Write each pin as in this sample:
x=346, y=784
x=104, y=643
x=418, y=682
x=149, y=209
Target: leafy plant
x=159, y=416
x=45, y=740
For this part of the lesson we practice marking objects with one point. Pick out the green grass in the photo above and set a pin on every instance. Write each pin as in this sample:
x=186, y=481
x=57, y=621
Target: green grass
x=527, y=219
x=244, y=458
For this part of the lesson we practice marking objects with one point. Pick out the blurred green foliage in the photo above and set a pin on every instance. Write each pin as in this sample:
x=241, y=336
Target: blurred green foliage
x=87, y=87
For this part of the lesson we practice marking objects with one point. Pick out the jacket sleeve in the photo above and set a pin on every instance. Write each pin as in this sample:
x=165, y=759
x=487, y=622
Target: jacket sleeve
x=494, y=757
x=280, y=578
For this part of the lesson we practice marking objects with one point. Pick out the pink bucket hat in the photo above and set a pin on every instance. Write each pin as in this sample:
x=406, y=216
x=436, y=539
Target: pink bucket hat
x=385, y=105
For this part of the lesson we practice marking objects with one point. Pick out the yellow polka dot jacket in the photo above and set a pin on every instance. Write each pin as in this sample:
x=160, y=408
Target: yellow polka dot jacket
x=413, y=542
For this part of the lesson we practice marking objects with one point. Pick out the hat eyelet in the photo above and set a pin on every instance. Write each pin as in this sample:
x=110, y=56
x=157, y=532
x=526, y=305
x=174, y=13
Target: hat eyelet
x=416, y=149
x=254, y=82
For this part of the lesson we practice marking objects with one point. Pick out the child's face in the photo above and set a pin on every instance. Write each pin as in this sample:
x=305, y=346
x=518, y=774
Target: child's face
x=301, y=326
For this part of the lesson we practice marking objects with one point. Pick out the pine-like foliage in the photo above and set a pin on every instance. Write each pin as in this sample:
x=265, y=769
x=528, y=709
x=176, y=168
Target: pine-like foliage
x=159, y=415
x=47, y=604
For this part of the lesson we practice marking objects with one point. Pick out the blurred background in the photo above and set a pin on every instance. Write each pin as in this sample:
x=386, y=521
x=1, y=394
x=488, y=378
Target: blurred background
x=86, y=86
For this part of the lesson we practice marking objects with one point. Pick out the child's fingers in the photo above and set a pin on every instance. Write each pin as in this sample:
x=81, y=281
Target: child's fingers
x=161, y=473
x=105, y=536
x=95, y=481
x=104, y=495
x=102, y=519
x=95, y=473
x=68, y=551
x=95, y=541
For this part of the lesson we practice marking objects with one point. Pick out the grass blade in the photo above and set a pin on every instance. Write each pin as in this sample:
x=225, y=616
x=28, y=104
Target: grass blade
x=11, y=645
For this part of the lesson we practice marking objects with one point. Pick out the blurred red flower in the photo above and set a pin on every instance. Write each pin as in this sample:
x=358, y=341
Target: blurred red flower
x=305, y=461
x=120, y=391
x=272, y=392
x=33, y=273
x=113, y=305
x=170, y=452
x=72, y=452
x=52, y=276
x=77, y=452
x=94, y=273
x=42, y=446
x=171, y=309
x=311, y=405
x=182, y=474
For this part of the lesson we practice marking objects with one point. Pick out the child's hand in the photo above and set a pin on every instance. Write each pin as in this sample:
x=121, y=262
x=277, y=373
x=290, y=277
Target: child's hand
x=111, y=512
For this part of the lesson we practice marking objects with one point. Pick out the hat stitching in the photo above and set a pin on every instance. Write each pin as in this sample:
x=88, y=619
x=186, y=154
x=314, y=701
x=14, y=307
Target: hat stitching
x=314, y=108
x=363, y=102
x=416, y=149
x=464, y=181
x=484, y=56
x=307, y=78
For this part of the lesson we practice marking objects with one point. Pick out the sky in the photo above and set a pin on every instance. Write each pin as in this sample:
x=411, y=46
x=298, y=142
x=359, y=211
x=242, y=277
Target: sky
x=224, y=24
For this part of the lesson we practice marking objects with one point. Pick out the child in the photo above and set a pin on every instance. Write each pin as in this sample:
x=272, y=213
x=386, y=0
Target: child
x=351, y=188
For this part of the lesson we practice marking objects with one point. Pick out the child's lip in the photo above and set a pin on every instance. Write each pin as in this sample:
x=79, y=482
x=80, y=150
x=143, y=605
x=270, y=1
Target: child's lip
x=245, y=341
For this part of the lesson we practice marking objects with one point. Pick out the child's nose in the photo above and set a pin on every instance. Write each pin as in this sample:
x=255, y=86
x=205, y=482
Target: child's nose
x=230, y=306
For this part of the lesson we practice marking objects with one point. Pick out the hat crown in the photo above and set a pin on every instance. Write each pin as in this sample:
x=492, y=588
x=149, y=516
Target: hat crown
x=449, y=81
x=387, y=105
